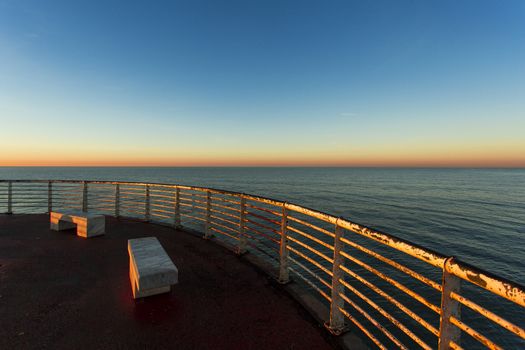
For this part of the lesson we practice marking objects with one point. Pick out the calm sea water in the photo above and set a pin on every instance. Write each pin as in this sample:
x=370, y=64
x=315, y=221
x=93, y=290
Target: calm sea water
x=477, y=215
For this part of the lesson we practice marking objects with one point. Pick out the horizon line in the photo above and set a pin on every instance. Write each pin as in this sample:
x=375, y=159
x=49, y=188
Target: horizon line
x=444, y=166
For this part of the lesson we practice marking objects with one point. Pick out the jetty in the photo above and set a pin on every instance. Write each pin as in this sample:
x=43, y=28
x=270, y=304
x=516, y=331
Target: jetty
x=253, y=272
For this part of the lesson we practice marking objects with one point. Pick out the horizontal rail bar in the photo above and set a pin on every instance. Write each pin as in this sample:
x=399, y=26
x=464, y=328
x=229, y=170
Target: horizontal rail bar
x=163, y=199
x=393, y=301
x=263, y=226
x=313, y=274
x=221, y=199
x=160, y=215
x=213, y=228
x=133, y=212
x=249, y=228
x=374, y=322
x=214, y=204
x=264, y=209
x=233, y=216
x=313, y=286
x=214, y=223
x=490, y=315
x=363, y=329
x=133, y=199
x=393, y=282
x=225, y=220
x=153, y=204
x=497, y=285
x=317, y=228
x=475, y=334
x=394, y=264
x=276, y=223
x=313, y=250
x=310, y=237
x=385, y=314
x=192, y=216
x=312, y=261
x=198, y=195
x=155, y=210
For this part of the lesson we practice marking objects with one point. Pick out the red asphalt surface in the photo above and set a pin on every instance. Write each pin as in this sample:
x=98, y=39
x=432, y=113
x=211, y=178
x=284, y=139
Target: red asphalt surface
x=60, y=291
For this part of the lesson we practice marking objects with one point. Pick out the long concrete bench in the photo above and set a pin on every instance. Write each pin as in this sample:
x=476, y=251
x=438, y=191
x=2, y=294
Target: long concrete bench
x=87, y=224
x=151, y=270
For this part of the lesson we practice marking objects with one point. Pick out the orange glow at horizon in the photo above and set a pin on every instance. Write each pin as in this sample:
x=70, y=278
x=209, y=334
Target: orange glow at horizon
x=408, y=158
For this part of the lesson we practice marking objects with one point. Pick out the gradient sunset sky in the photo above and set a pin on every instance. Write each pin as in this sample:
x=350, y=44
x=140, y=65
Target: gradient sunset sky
x=346, y=83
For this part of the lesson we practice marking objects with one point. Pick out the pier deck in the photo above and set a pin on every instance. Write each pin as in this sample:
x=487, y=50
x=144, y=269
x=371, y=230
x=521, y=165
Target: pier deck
x=59, y=291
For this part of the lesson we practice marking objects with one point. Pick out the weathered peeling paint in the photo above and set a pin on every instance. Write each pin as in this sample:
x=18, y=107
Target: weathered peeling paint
x=449, y=308
x=507, y=289
x=420, y=253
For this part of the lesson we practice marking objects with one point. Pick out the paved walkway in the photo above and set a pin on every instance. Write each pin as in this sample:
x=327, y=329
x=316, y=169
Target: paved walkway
x=60, y=291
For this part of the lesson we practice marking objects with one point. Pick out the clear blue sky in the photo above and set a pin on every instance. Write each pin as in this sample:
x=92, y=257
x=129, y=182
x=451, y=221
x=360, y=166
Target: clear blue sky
x=263, y=82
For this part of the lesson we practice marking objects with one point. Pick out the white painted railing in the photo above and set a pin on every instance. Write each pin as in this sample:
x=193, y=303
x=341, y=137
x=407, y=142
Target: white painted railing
x=396, y=292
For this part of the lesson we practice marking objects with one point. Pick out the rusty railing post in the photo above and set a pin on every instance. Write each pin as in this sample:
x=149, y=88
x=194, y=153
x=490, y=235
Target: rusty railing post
x=336, y=324
x=117, y=200
x=449, y=307
x=49, y=196
x=9, y=197
x=84, y=197
x=241, y=248
x=147, y=214
x=176, y=216
x=284, y=271
x=208, y=233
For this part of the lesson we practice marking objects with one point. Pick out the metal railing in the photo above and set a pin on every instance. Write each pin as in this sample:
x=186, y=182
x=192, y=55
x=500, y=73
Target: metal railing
x=396, y=292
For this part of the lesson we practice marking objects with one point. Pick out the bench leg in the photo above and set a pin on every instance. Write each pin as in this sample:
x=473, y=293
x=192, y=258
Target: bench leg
x=148, y=292
x=91, y=229
x=141, y=293
x=57, y=225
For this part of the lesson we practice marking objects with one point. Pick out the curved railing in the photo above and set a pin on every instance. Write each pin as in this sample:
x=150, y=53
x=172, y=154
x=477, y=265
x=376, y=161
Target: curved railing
x=396, y=292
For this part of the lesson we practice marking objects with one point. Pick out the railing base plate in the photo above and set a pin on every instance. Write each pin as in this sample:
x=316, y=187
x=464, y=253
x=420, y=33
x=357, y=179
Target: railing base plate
x=337, y=331
x=241, y=253
x=283, y=282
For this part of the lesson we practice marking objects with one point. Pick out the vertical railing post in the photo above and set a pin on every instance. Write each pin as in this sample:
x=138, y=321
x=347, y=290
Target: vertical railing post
x=49, y=196
x=85, y=196
x=241, y=248
x=336, y=325
x=117, y=200
x=284, y=272
x=147, y=214
x=9, y=197
x=208, y=233
x=449, y=307
x=176, y=217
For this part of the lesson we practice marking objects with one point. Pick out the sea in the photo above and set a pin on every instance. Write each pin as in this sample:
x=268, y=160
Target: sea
x=477, y=215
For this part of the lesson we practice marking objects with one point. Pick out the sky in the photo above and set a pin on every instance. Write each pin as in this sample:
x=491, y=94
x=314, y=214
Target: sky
x=262, y=83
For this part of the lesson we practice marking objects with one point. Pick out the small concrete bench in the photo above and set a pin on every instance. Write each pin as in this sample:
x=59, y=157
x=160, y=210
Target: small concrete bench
x=87, y=224
x=151, y=270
